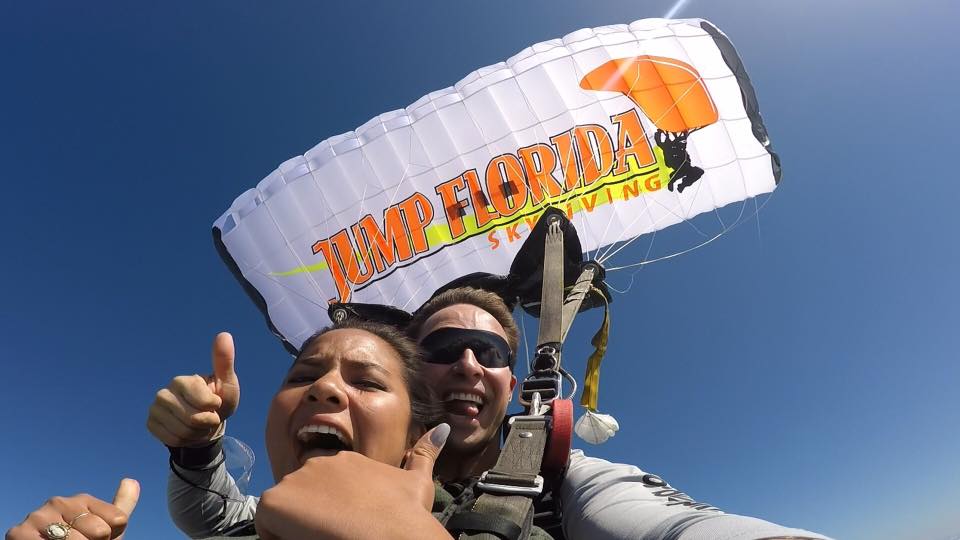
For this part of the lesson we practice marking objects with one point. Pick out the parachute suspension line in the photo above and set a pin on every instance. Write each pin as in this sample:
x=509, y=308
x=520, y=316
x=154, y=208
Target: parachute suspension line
x=607, y=254
x=756, y=214
x=716, y=209
x=596, y=254
x=629, y=285
x=736, y=224
x=613, y=249
x=724, y=229
x=672, y=255
x=646, y=207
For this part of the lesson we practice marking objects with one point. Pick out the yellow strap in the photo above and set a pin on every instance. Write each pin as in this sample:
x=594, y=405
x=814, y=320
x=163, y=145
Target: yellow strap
x=591, y=380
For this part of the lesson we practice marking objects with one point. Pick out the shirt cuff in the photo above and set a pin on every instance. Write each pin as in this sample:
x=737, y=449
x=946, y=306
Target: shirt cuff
x=197, y=458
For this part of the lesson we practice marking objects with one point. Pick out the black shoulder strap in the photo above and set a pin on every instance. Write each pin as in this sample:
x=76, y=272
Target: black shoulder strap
x=476, y=522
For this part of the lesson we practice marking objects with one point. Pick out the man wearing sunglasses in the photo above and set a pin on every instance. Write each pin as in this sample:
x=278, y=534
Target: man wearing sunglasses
x=470, y=339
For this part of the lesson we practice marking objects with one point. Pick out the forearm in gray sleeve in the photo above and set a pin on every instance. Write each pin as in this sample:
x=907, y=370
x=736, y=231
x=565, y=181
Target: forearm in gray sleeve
x=611, y=501
x=199, y=513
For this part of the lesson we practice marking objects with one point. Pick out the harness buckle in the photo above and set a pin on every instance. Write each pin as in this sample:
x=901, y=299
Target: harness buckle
x=510, y=489
x=547, y=357
x=545, y=383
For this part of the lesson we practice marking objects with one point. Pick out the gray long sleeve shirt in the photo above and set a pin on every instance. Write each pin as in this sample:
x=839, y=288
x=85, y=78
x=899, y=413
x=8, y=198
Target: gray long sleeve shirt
x=600, y=501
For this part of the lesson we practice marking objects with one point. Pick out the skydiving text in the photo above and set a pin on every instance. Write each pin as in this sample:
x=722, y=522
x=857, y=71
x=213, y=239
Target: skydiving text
x=577, y=169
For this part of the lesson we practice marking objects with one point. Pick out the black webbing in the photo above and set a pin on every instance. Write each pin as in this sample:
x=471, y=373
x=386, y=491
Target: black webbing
x=475, y=522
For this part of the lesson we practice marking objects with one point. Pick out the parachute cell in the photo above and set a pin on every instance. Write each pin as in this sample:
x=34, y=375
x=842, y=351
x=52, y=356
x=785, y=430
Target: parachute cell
x=628, y=129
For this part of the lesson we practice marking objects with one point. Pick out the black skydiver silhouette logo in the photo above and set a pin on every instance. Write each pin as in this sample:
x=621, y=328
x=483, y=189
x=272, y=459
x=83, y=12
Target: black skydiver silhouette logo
x=674, y=146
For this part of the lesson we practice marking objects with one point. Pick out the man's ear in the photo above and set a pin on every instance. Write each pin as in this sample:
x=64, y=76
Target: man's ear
x=513, y=384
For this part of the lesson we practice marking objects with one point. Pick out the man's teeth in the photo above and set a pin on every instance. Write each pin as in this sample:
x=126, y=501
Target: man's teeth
x=305, y=433
x=463, y=396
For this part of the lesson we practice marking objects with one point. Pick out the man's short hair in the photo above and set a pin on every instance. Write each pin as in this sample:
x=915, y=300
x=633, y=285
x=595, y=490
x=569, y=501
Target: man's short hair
x=485, y=300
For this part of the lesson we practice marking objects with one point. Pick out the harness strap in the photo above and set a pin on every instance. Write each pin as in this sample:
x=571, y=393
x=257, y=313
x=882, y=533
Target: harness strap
x=475, y=522
x=575, y=298
x=551, y=295
x=510, y=487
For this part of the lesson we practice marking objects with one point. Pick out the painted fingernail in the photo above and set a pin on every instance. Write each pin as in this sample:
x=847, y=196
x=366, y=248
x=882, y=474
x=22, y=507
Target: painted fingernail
x=439, y=435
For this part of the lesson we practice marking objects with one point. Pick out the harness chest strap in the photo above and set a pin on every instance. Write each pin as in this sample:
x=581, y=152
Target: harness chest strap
x=508, y=488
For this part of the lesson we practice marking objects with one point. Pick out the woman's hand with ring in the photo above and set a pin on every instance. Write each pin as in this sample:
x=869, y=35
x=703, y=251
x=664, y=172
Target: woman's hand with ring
x=80, y=517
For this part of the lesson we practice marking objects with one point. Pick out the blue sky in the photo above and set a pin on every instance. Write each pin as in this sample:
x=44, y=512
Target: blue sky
x=802, y=369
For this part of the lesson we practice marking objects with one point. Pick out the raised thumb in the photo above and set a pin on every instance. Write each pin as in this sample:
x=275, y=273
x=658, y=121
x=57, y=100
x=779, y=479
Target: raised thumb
x=225, y=381
x=424, y=453
x=127, y=495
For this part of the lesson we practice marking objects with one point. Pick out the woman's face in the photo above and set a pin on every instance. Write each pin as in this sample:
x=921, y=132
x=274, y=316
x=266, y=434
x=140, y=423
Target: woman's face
x=345, y=392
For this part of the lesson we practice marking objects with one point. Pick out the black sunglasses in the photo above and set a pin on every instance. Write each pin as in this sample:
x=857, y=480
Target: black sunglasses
x=446, y=346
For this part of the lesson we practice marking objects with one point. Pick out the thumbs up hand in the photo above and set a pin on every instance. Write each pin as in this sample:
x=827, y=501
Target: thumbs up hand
x=80, y=516
x=191, y=410
x=224, y=382
x=335, y=497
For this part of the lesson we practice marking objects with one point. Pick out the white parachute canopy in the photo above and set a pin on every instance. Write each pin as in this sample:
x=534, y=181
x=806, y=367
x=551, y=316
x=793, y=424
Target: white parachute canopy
x=627, y=128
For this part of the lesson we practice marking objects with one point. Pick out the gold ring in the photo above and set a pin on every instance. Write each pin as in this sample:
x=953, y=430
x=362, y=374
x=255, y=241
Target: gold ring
x=74, y=520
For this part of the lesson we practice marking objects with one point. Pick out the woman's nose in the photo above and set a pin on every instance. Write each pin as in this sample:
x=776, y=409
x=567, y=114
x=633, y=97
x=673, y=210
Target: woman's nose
x=329, y=390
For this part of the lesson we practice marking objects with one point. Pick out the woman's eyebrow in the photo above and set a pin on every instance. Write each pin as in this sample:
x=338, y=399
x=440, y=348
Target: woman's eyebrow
x=368, y=364
x=321, y=360
x=312, y=359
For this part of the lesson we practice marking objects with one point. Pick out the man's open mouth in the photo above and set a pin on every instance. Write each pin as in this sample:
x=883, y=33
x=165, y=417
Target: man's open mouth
x=321, y=440
x=463, y=403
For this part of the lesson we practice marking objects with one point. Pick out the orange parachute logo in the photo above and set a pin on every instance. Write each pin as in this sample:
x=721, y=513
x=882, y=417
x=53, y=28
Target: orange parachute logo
x=670, y=93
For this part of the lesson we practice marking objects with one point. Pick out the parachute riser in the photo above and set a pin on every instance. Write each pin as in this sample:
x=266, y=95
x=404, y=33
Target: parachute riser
x=543, y=384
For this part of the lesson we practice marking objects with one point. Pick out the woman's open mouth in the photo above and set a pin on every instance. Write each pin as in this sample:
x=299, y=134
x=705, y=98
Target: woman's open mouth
x=318, y=440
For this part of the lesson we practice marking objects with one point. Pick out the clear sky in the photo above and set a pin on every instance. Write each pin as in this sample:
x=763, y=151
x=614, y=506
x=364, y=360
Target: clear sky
x=802, y=369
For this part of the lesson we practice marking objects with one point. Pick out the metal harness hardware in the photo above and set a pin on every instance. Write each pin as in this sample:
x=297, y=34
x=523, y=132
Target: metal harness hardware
x=510, y=487
x=488, y=486
x=547, y=384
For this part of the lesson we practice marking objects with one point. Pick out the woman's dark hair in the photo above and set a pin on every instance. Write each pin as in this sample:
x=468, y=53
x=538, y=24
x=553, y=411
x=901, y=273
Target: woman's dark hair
x=423, y=406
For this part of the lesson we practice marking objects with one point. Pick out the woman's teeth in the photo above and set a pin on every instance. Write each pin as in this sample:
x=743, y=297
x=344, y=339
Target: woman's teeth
x=306, y=433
